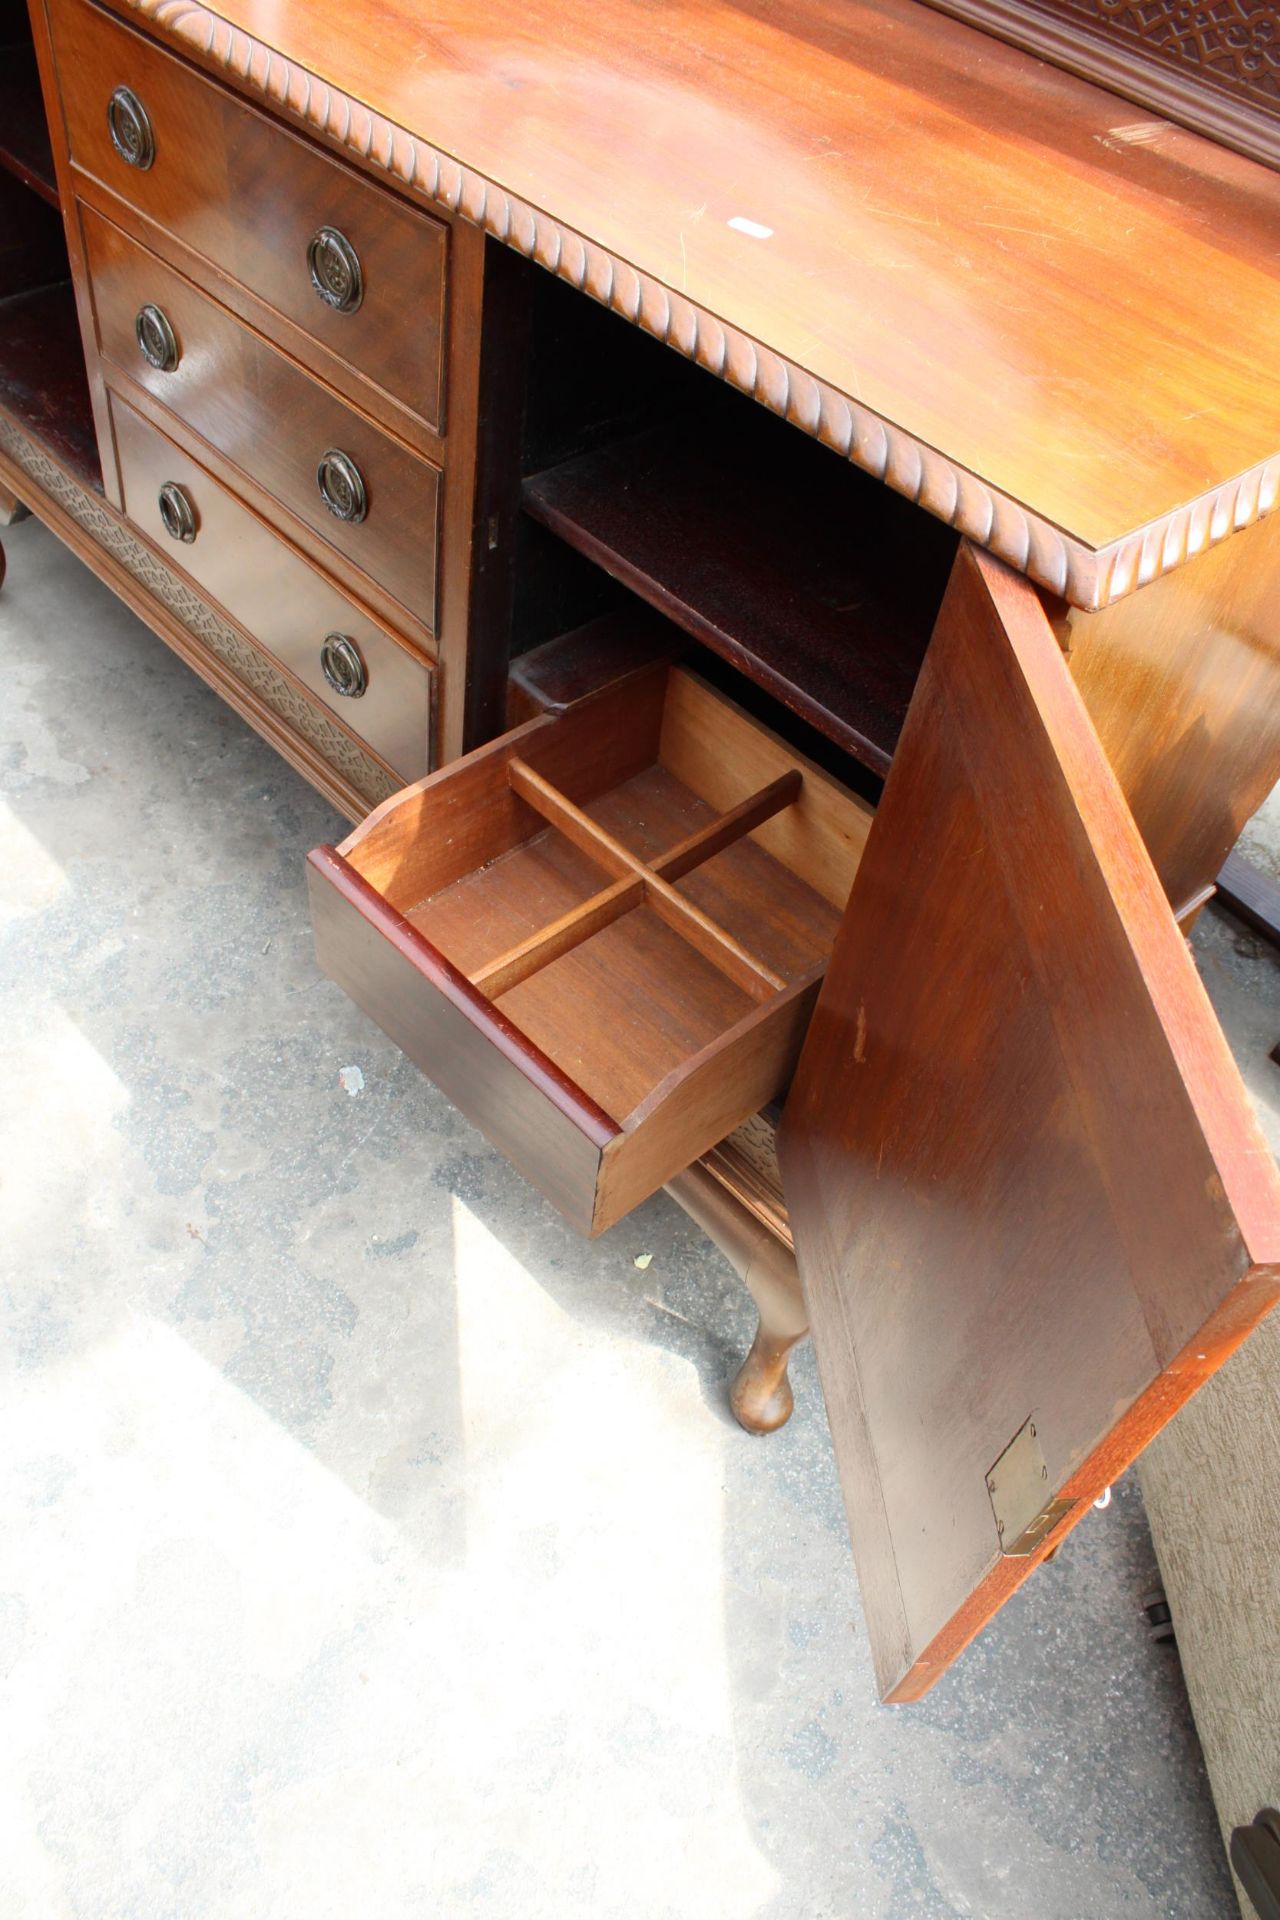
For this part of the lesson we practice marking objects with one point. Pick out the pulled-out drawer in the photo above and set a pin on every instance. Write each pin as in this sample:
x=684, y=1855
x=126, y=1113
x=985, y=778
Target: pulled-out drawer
x=374, y=685
x=602, y=934
x=359, y=270
x=370, y=498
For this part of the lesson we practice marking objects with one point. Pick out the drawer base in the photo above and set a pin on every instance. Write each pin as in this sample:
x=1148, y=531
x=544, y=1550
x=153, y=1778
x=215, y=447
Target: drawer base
x=322, y=751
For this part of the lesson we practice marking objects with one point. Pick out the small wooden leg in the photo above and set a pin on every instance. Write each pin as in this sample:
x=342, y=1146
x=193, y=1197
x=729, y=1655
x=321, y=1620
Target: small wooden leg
x=11, y=508
x=1, y=566
x=760, y=1396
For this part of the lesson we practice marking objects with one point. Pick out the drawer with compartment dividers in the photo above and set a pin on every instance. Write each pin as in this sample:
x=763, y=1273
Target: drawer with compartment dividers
x=602, y=934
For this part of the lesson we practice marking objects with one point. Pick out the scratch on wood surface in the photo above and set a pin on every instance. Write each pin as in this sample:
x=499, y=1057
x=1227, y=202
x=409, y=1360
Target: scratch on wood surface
x=895, y=213
x=1032, y=233
x=1138, y=133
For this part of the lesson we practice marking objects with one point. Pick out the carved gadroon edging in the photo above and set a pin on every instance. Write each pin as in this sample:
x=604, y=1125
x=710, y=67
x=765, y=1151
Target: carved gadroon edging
x=1085, y=576
x=252, y=668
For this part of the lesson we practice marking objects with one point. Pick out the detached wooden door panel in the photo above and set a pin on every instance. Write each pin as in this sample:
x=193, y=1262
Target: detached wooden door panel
x=1031, y=1207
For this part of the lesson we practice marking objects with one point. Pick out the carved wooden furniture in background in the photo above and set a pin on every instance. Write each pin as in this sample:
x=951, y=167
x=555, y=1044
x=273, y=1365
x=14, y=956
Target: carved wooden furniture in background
x=389, y=407
x=1213, y=66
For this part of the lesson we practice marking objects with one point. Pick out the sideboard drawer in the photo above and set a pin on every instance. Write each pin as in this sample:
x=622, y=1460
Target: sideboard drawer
x=260, y=409
x=264, y=206
x=602, y=934
x=277, y=596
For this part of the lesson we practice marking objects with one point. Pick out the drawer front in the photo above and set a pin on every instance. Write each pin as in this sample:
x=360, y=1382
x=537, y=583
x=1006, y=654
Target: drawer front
x=281, y=600
x=258, y=408
x=252, y=197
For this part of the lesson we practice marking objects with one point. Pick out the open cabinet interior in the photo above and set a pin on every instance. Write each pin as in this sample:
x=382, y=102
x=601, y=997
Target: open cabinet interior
x=632, y=897
x=43, y=381
x=26, y=151
x=773, y=554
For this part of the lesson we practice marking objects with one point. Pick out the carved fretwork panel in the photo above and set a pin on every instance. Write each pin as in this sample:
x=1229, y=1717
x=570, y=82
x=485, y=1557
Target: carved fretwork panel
x=1231, y=44
x=1213, y=66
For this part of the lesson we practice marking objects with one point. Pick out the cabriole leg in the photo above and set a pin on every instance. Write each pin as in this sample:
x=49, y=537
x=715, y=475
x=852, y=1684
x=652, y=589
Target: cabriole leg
x=760, y=1396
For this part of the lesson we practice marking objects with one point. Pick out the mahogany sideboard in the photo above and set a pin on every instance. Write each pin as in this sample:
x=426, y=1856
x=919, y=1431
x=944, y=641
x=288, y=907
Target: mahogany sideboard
x=758, y=516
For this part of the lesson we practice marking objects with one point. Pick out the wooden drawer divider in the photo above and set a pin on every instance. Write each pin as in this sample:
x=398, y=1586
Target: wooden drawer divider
x=639, y=882
x=602, y=933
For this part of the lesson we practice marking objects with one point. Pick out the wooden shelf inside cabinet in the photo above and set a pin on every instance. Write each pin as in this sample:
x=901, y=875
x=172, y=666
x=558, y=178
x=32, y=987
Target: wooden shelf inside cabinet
x=815, y=582
x=602, y=934
x=25, y=150
x=43, y=383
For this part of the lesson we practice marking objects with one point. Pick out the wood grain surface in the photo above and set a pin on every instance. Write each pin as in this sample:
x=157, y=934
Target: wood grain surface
x=971, y=273
x=547, y=1128
x=813, y=581
x=534, y=872
x=1213, y=69
x=1182, y=683
x=248, y=196
x=269, y=417
x=1023, y=1176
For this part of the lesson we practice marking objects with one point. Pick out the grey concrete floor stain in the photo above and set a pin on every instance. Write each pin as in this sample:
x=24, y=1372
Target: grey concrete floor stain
x=374, y=1546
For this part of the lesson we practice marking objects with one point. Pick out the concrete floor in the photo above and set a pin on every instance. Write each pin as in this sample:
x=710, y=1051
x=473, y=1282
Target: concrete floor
x=374, y=1546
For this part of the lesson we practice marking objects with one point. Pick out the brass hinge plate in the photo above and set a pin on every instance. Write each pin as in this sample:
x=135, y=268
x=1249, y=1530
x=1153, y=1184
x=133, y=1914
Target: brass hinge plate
x=1017, y=1485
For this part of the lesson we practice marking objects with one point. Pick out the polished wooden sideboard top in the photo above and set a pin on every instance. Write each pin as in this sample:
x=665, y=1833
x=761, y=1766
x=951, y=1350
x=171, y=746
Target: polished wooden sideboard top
x=1054, y=322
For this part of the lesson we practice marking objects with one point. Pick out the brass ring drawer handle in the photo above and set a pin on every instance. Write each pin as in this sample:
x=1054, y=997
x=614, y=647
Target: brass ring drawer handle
x=342, y=664
x=334, y=266
x=129, y=125
x=157, y=341
x=342, y=487
x=177, y=513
